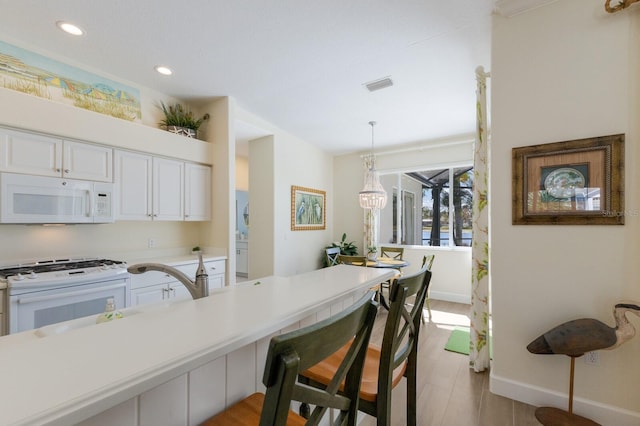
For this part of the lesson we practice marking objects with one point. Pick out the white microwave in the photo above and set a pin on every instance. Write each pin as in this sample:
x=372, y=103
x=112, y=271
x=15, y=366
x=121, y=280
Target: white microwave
x=40, y=199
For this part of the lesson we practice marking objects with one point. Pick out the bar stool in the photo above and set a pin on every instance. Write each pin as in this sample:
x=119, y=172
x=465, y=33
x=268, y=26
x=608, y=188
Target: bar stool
x=385, y=366
x=293, y=352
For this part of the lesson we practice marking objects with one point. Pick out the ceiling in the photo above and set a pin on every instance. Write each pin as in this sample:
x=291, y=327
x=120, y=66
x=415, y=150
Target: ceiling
x=299, y=65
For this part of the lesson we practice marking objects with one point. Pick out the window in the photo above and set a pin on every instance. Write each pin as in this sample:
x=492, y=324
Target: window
x=426, y=213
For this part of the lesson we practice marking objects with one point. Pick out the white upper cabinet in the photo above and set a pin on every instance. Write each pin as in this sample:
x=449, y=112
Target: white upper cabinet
x=133, y=176
x=168, y=189
x=153, y=188
x=86, y=161
x=197, y=192
x=28, y=153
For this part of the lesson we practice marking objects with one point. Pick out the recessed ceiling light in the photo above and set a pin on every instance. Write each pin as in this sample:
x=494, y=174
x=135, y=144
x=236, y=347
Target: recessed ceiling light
x=163, y=70
x=69, y=28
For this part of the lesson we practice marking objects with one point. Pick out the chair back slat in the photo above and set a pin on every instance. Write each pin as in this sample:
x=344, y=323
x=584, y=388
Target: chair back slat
x=428, y=260
x=293, y=352
x=352, y=260
x=395, y=253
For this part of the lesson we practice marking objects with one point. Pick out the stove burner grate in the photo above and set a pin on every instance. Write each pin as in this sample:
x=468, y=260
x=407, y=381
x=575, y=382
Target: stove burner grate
x=56, y=265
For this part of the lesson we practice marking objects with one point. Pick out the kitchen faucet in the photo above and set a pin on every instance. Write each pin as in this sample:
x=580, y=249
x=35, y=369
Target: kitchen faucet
x=198, y=288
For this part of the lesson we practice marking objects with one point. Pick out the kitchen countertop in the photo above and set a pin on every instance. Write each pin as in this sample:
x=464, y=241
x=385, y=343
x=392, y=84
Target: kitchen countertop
x=68, y=377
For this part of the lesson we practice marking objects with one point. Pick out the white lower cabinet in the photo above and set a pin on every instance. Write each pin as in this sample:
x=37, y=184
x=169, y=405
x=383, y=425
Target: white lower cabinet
x=157, y=293
x=155, y=286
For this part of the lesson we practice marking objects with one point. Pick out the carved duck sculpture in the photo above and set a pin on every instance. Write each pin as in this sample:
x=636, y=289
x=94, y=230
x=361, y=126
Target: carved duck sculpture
x=574, y=338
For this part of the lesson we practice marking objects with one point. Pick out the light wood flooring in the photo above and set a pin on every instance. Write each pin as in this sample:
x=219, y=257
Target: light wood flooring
x=449, y=392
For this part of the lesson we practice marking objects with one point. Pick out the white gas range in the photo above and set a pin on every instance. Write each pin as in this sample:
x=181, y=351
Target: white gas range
x=49, y=291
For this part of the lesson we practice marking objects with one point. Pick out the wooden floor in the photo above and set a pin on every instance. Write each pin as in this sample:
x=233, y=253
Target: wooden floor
x=449, y=392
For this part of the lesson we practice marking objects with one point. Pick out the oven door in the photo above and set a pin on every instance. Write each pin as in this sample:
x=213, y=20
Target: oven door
x=37, y=309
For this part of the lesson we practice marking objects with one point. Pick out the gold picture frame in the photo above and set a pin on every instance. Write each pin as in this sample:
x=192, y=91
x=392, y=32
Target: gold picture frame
x=576, y=182
x=308, y=209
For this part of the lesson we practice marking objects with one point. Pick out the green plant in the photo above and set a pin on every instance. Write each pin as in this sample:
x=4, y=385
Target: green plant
x=346, y=248
x=177, y=115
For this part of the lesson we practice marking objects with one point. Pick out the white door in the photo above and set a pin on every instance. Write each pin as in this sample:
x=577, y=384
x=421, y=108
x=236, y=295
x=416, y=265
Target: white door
x=168, y=187
x=133, y=177
x=151, y=294
x=86, y=161
x=197, y=195
x=30, y=154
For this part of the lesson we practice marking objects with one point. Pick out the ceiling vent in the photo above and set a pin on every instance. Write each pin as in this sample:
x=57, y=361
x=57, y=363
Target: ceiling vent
x=379, y=84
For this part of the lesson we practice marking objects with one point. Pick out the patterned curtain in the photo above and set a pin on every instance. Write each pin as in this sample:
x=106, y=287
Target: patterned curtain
x=479, y=336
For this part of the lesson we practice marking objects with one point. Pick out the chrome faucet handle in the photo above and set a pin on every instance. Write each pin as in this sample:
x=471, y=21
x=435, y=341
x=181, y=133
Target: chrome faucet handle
x=202, y=278
x=198, y=288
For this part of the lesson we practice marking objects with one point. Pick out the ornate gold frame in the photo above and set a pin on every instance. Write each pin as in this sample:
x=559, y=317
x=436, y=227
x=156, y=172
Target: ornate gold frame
x=577, y=182
x=308, y=209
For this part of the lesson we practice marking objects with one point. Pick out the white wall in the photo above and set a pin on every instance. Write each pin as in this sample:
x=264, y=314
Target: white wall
x=564, y=71
x=301, y=164
x=276, y=163
x=451, y=280
x=242, y=173
x=261, y=207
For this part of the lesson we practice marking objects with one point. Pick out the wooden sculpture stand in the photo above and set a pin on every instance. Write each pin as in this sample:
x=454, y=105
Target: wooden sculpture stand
x=550, y=416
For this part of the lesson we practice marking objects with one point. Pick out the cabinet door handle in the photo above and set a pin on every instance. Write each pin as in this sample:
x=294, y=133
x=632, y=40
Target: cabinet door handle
x=66, y=170
x=58, y=170
x=213, y=268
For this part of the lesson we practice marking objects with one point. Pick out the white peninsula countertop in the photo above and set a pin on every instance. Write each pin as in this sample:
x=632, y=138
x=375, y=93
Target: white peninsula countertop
x=68, y=377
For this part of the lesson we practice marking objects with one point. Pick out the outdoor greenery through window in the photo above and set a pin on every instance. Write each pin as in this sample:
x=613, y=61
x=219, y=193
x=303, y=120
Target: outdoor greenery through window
x=426, y=213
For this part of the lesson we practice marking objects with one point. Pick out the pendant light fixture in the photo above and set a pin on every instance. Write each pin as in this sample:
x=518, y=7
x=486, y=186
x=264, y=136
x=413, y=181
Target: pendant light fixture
x=373, y=195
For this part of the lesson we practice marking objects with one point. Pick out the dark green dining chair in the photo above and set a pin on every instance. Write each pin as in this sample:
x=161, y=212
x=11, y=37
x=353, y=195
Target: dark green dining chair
x=396, y=358
x=394, y=253
x=428, y=261
x=293, y=352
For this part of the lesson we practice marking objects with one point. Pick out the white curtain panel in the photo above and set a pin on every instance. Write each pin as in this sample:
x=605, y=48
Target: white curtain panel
x=479, y=336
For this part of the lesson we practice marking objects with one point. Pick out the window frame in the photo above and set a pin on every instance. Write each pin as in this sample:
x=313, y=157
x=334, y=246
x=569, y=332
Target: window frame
x=398, y=189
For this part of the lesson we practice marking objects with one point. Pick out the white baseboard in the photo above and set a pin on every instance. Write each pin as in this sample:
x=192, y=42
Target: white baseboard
x=606, y=415
x=450, y=297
